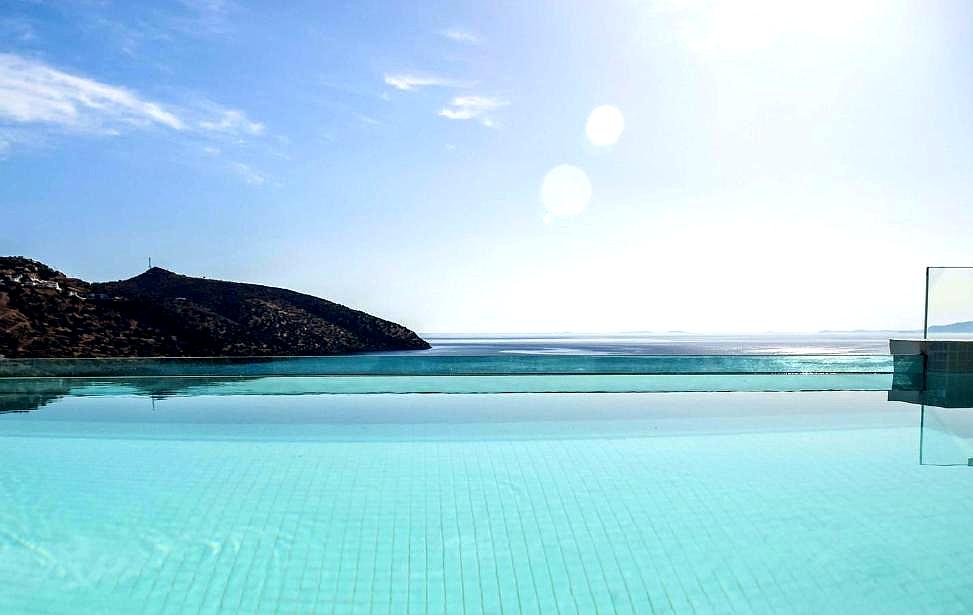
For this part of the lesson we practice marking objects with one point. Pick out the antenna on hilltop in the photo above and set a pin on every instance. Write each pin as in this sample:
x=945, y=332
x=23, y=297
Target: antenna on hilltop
x=150, y=262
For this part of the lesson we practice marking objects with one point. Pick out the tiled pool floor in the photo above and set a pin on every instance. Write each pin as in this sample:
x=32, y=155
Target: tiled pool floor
x=652, y=503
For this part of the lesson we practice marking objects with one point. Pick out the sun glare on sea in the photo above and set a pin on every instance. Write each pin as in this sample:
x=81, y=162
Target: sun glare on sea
x=566, y=191
x=605, y=125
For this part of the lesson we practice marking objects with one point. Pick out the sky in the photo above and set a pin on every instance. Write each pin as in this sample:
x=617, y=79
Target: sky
x=484, y=167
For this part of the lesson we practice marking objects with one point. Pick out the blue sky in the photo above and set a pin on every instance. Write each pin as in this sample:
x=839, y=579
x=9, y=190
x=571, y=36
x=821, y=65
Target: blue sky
x=786, y=165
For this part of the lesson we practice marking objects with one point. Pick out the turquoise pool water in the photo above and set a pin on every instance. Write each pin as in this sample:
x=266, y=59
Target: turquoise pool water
x=158, y=497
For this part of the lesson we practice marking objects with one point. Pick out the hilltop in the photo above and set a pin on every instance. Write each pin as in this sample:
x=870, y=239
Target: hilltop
x=44, y=313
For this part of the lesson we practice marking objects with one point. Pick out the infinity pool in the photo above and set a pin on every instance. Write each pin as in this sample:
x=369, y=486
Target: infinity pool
x=132, y=500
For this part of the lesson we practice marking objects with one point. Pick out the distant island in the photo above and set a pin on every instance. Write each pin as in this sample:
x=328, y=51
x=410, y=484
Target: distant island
x=965, y=326
x=44, y=313
x=956, y=327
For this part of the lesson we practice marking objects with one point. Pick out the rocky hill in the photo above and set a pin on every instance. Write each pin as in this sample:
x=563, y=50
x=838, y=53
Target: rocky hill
x=44, y=313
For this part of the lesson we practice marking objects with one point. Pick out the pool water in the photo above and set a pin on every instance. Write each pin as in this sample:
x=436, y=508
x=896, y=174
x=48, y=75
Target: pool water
x=662, y=502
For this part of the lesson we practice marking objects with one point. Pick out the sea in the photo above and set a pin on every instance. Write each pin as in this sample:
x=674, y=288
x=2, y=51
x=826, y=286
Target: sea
x=868, y=342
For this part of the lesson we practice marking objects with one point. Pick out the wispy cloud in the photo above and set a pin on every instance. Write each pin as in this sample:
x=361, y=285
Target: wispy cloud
x=18, y=29
x=38, y=101
x=208, y=7
x=15, y=137
x=461, y=35
x=233, y=121
x=248, y=173
x=204, y=17
x=472, y=107
x=367, y=120
x=413, y=81
x=131, y=38
x=33, y=92
x=145, y=32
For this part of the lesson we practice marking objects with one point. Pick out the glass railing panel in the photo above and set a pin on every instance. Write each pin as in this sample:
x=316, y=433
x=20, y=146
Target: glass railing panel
x=949, y=303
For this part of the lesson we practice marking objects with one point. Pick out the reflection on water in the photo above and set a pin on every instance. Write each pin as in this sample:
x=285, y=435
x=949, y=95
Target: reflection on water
x=449, y=365
x=28, y=384
x=27, y=394
x=946, y=400
x=946, y=436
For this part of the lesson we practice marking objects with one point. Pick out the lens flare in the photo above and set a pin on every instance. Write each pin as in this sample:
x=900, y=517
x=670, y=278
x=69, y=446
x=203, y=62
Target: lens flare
x=566, y=191
x=605, y=125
